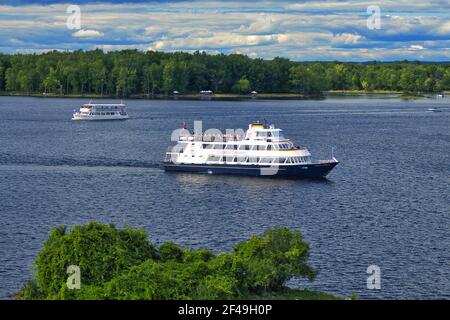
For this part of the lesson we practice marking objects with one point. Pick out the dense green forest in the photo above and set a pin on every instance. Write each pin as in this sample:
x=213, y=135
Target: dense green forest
x=122, y=264
x=132, y=72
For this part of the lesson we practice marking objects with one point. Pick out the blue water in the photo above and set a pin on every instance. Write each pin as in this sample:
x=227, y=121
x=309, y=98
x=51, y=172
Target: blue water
x=387, y=203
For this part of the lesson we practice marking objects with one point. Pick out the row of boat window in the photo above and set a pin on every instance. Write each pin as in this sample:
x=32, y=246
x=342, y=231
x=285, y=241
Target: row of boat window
x=282, y=146
x=103, y=113
x=269, y=134
x=259, y=159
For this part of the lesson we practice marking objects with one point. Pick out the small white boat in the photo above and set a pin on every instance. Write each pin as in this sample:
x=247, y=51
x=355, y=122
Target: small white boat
x=101, y=111
x=434, y=110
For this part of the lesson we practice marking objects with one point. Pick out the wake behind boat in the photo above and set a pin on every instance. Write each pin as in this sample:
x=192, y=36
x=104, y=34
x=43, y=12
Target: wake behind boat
x=261, y=151
x=102, y=111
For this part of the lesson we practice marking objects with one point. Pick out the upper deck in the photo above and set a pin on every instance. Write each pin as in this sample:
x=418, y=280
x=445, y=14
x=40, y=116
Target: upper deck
x=103, y=106
x=256, y=134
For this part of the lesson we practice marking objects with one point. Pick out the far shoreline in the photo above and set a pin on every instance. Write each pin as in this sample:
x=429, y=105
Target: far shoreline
x=233, y=96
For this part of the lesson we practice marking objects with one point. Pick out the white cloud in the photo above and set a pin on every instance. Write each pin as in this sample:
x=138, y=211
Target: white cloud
x=444, y=28
x=312, y=29
x=88, y=34
x=347, y=38
x=263, y=24
x=217, y=40
x=415, y=47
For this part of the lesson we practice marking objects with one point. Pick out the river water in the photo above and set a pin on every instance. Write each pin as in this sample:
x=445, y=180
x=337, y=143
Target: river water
x=387, y=203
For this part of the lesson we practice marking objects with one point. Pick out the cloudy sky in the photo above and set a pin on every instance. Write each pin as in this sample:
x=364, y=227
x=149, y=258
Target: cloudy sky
x=300, y=30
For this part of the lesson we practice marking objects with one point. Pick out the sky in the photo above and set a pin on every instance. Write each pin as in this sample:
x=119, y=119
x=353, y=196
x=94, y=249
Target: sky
x=299, y=30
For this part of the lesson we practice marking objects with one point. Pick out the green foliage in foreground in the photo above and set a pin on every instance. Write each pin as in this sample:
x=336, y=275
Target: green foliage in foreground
x=123, y=264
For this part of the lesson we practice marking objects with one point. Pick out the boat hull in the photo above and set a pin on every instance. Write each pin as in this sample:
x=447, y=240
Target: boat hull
x=311, y=171
x=77, y=117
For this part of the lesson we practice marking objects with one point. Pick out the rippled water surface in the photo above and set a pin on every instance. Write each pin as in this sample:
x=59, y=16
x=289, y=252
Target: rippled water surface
x=387, y=202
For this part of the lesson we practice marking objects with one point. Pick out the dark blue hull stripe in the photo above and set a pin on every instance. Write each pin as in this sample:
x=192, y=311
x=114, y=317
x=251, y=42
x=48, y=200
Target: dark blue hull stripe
x=318, y=170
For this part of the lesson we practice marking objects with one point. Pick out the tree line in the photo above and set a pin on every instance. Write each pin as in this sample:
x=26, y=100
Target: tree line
x=132, y=72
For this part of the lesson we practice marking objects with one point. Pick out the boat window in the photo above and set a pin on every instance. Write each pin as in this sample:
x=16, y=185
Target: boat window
x=213, y=158
x=269, y=147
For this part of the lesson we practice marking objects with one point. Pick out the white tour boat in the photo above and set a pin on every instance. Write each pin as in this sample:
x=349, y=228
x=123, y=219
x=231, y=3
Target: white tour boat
x=101, y=111
x=260, y=151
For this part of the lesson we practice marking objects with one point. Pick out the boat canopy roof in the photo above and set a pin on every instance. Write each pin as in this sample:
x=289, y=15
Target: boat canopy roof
x=262, y=127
